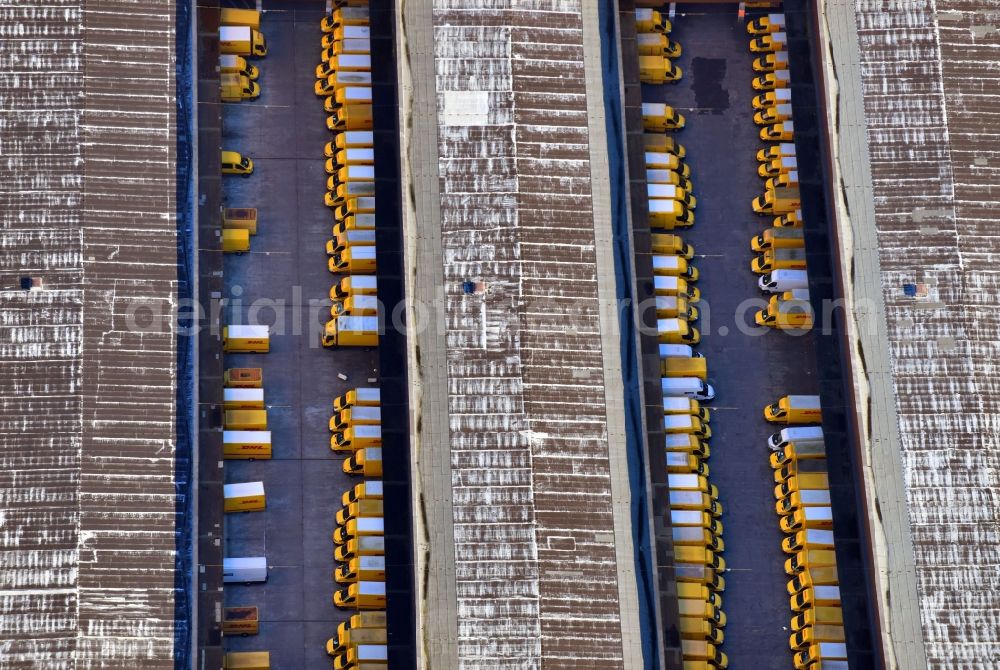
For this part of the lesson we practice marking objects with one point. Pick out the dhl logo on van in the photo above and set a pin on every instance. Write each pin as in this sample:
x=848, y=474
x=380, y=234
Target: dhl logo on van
x=248, y=447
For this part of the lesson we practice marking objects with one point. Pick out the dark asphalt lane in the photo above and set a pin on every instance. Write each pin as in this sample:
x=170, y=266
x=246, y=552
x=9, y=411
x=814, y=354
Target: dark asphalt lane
x=748, y=369
x=283, y=132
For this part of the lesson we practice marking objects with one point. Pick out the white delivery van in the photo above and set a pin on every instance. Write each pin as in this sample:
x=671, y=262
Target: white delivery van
x=246, y=570
x=692, y=387
x=679, y=351
x=779, y=281
x=797, y=435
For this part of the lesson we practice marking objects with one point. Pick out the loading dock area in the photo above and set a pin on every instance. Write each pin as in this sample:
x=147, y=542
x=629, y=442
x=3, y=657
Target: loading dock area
x=748, y=368
x=284, y=281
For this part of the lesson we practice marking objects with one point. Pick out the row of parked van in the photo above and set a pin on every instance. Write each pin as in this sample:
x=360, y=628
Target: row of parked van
x=344, y=82
x=245, y=436
x=781, y=256
x=670, y=202
x=656, y=49
x=236, y=236
x=694, y=507
x=802, y=493
x=245, y=422
x=359, y=532
x=239, y=39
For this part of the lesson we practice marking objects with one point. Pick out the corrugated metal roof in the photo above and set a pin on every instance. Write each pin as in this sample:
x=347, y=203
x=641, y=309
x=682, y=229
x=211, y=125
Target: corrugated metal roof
x=87, y=192
x=930, y=80
x=536, y=567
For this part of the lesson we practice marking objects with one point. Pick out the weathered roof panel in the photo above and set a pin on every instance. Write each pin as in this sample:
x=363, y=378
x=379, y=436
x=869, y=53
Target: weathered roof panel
x=931, y=137
x=87, y=489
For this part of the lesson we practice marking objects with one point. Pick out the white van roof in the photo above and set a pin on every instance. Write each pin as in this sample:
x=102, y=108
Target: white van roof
x=692, y=497
x=372, y=588
x=689, y=517
x=661, y=205
x=372, y=542
x=665, y=282
x=354, y=60
x=363, y=281
x=372, y=652
x=234, y=33
x=367, y=393
x=824, y=591
x=819, y=536
x=242, y=394
x=355, y=32
x=684, y=481
x=658, y=175
x=357, y=94
x=251, y=436
x=676, y=404
x=666, y=302
x=369, y=523
x=362, y=44
x=371, y=562
x=363, y=253
x=244, y=563
x=790, y=275
x=678, y=439
x=352, y=77
x=678, y=421
x=814, y=496
x=804, y=401
x=680, y=385
x=365, y=220
x=238, y=331
x=660, y=157
x=661, y=191
x=652, y=108
x=360, y=171
x=353, y=236
x=676, y=351
x=359, y=136
x=359, y=153
x=368, y=431
x=677, y=458
x=365, y=412
x=357, y=323
x=373, y=486
x=802, y=433
x=243, y=489
x=373, y=453
x=818, y=513
x=666, y=261
x=354, y=188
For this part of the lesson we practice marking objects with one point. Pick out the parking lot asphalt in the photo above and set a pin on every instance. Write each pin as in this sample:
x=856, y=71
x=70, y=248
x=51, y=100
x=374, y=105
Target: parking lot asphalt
x=284, y=279
x=748, y=367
